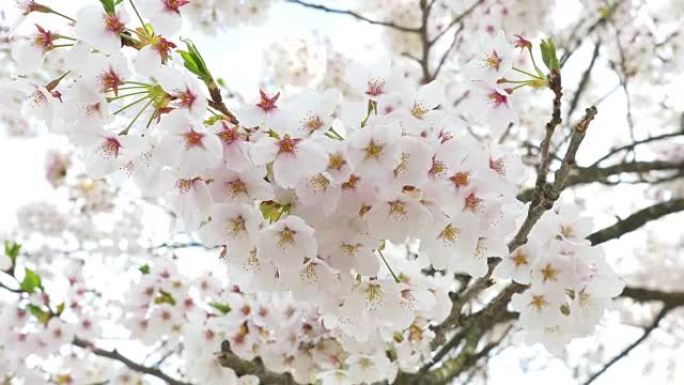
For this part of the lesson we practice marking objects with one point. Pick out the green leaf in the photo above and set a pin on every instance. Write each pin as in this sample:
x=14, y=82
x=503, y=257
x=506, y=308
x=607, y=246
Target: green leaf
x=31, y=281
x=144, y=269
x=195, y=63
x=165, y=297
x=109, y=6
x=223, y=308
x=212, y=120
x=549, y=57
x=273, y=210
x=38, y=312
x=60, y=308
x=12, y=251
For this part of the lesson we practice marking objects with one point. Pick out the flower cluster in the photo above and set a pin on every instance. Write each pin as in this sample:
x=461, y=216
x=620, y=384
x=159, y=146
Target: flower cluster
x=570, y=284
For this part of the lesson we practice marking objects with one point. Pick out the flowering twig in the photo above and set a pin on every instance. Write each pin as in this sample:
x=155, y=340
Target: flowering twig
x=547, y=194
x=545, y=160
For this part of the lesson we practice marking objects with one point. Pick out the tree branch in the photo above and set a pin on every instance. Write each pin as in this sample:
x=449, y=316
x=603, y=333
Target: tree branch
x=636, y=220
x=551, y=192
x=355, y=15
x=586, y=175
x=632, y=145
x=671, y=299
x=242, y=367
x=584, y=81
x=116, y=356
x=456, y=20
x=647, y=331
x=543, y=168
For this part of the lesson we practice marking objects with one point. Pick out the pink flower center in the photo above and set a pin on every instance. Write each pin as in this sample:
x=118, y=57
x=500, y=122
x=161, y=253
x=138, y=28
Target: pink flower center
x=44, y=39
x=111, y=81
x=267, y=103
x=498, y=98
x=376, y=87
x=174, y=5
x=228, y=134
x=288, y=145
x=114, y=24
x=193, y=139
x=494, y=61
x=164, y=47
x=497, y=165
x=186, y=98
x=110, y=147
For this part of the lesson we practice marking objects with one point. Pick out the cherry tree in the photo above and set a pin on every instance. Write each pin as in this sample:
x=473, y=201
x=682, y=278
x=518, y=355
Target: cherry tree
x=409, y=217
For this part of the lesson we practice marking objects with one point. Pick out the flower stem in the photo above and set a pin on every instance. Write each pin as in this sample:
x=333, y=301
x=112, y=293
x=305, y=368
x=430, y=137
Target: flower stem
x=526, y=73
x=396, y=279
x=142, y=23
x=138, y=83
x=127, y=95
x=130, y=105
x=135, y=118
x=63, y=15
x=336, y=134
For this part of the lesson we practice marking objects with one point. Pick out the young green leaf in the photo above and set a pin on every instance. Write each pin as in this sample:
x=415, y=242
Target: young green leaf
x=144, y=269
x=165, y=297
x=41, y=315
x=109, y=6
x=12, y=251
x=31, y=281
x=549, y=57
x=223, y=308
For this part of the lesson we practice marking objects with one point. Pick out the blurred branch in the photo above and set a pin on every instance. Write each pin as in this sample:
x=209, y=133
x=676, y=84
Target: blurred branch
x=446, y=53
x=631, y=146
x=584, y=81
x=647, y=331
x=671, y=299
x=116, y=356
x=355, y=15
x=457, y=19
x=636, y=220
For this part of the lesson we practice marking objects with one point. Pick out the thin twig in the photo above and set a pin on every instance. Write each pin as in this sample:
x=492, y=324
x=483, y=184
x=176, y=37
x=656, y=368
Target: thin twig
x=647, y=331
x=355, y=15
x=116, y=356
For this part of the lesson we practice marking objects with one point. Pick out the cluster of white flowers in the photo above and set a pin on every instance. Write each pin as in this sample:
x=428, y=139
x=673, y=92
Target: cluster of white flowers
x=570, y=283
x=313, y=199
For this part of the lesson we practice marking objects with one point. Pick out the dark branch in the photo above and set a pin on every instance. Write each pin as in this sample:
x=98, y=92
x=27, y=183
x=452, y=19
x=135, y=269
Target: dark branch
x=671, y=299
x=585, y=175
x=242, y=367
x=636, y=220
x=543, y=168
x=355, y=15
